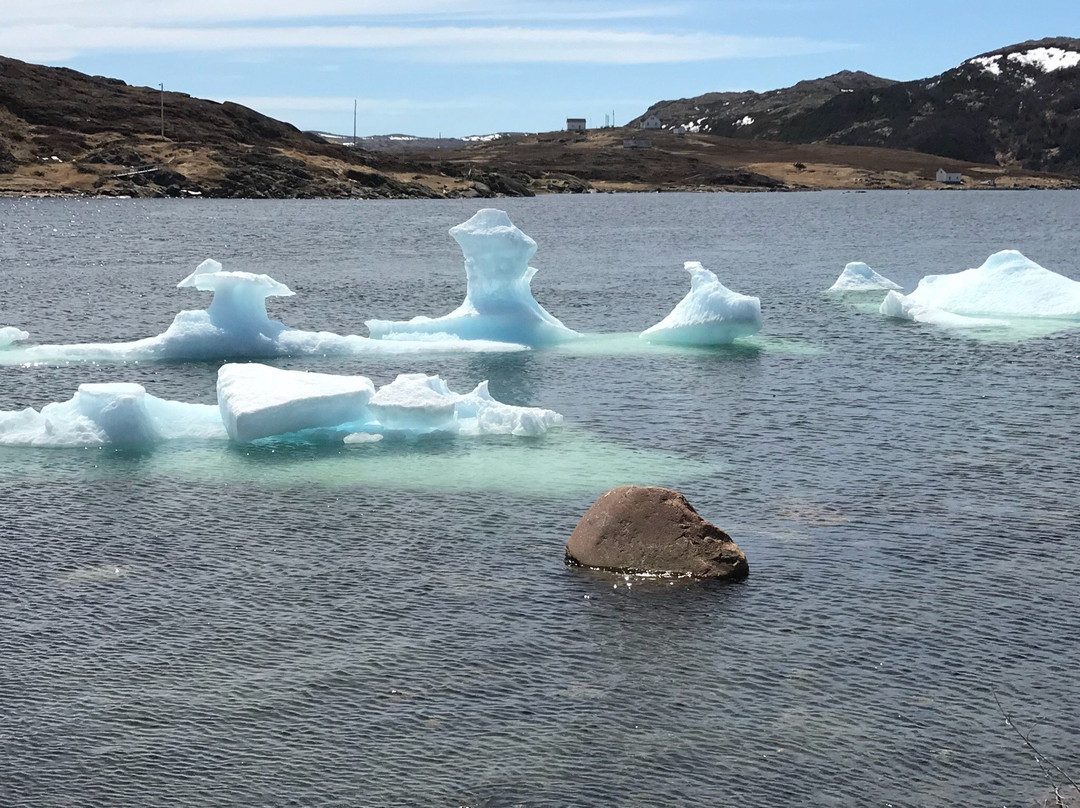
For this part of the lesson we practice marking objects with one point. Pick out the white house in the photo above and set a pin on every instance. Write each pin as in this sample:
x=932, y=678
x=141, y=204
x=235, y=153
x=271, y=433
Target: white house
x=651, y=122
x=575, y=124
x=949, y=177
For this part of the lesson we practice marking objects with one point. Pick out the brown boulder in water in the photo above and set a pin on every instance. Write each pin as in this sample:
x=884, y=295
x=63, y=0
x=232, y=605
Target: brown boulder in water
x=647, y=529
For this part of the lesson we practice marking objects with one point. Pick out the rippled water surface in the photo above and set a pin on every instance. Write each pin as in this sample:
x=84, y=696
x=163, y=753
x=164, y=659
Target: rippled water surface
x=392, y=624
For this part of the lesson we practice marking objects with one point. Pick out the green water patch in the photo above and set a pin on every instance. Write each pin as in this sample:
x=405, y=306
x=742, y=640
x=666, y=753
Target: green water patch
x=564, y=462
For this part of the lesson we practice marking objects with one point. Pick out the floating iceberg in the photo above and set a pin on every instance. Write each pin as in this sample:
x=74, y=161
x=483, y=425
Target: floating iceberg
x=236, y=325
x=259, y=401
x=710, y=314
x=122, y=415
x=858, y=277
x=1007, y=285
x=10, y=334
x=498, y=299
x=256, y=401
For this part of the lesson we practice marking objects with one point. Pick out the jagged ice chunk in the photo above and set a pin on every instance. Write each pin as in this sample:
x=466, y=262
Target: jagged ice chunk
x=858, y=277
x=710, y=314
x=9, y=335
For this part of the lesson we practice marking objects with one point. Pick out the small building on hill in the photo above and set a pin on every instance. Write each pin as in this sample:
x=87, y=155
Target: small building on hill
x=575, y=125
x=651, y=122
x=637, y=143
x=949, y=177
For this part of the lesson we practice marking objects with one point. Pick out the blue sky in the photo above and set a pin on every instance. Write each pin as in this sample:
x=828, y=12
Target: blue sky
x=460, y=67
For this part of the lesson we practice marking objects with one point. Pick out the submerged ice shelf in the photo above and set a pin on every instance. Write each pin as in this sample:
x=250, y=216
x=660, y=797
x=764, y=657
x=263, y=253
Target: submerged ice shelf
x=256, y=401
x=1006, y=288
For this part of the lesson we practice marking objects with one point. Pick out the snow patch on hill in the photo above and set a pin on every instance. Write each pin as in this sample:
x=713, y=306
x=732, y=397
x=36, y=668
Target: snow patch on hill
x=1046, y=60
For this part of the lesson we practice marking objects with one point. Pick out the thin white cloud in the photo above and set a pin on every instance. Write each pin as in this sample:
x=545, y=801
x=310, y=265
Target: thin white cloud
x=200, y=12
x=171, y=12
x=450, y=44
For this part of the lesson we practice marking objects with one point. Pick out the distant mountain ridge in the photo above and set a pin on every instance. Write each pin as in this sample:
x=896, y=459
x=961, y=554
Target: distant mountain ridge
x=1017, y=105
x=397, y=142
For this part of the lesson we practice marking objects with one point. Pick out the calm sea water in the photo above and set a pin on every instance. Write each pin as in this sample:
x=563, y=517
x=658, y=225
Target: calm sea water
x=393, y=624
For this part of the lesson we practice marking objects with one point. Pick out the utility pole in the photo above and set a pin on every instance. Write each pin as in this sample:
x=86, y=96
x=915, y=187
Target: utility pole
x=162, y=86
x=354, y=123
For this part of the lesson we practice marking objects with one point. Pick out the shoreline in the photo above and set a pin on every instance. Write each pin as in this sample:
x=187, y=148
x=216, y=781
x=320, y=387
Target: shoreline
x=7, y=194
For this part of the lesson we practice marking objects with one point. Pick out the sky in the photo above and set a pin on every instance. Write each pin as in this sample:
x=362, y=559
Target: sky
x=462, y=67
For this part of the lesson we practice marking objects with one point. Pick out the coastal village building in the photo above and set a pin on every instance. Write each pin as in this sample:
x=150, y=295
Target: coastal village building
x=651, y=122
x=949, y=177
x=575, y=124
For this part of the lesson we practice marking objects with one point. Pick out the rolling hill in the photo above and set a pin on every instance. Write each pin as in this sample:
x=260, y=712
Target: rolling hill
x=1014, y=106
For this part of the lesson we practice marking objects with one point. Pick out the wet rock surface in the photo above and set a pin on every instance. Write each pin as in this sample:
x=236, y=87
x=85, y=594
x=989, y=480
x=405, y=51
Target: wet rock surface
x=647, y=529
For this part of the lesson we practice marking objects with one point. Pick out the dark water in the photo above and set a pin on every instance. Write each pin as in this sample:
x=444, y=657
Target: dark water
x=203, y=626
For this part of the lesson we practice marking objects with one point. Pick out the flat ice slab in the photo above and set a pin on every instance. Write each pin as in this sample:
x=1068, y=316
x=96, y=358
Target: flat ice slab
x=258, y=401
x=1007, y=285
x=499, y=304
x=710, y=314
x=859, y=277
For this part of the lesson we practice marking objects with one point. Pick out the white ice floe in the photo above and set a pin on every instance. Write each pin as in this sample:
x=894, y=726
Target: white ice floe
x=256, y=401
x=499, y=304
x=858, y=277
x=122, y=415
x=1007, y=285
x=710, y=314
x=235, y=325
x=10, y=335
x=259, y=401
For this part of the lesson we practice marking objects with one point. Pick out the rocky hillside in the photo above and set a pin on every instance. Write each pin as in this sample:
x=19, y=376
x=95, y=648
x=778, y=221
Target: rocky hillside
x=62, y=131
x=1018, y=105
x=758, y=115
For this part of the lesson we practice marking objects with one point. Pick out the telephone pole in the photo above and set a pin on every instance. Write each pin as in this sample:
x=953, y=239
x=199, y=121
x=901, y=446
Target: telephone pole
x=354, y=123
x=162, y=86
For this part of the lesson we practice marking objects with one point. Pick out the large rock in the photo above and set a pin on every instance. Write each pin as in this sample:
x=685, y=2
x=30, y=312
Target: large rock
x=646, y=529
